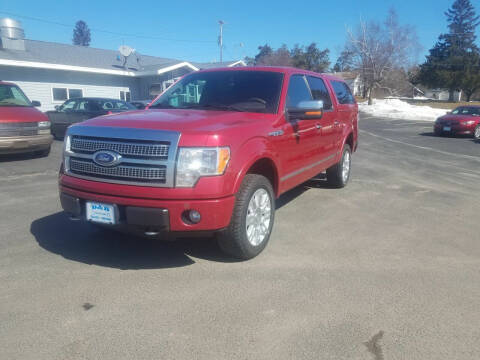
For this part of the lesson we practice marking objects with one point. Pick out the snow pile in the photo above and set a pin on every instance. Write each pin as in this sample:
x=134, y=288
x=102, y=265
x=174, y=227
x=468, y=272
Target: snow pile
x=398, y=109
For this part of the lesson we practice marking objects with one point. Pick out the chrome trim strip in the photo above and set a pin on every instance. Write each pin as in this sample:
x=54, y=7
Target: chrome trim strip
x=123, y=133
x=299, y=171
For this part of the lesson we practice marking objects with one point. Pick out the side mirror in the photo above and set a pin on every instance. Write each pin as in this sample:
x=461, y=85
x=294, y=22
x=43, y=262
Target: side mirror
x=306, y=110
x=57, y=107
x=36, y=103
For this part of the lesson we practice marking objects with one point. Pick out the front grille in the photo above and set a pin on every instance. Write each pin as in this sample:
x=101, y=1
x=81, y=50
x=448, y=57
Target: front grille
x=146, y=157
x=18, y=129
x=125, y=148
x=156, y=174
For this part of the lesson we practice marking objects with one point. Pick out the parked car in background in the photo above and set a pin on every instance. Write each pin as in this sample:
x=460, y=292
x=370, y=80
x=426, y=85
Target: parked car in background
x=211, y=155
x=77, y=110
x=23, y=128
x=141, y=104
x=464, y=120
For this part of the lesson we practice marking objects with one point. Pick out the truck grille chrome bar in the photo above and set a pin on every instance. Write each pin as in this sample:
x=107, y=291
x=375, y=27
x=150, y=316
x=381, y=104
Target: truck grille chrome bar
x=90, y=145
x=145, y=157
x=89, y=168
x=18, y=129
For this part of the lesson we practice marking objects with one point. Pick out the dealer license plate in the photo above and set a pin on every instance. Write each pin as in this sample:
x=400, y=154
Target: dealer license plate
x=447, y=128
x=100, y=213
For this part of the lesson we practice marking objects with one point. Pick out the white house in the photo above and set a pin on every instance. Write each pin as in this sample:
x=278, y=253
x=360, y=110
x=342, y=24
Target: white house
x=352, y=79
x=52, y=73
x=442, y=94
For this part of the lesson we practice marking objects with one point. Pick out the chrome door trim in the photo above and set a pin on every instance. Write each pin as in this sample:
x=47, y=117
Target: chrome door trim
x=299, y=171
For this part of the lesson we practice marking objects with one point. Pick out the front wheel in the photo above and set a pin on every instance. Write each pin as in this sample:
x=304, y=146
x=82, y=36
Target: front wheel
x=252, y=219
x=476, y=133
x=339, y=174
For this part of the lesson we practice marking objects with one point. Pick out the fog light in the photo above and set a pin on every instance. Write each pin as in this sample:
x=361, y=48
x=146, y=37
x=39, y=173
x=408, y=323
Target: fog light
x=193, y=216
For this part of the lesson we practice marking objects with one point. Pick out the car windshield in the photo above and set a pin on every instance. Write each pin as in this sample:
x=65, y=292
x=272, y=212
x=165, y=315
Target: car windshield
x=467, y=110
x=11, y=95
x=233, y=90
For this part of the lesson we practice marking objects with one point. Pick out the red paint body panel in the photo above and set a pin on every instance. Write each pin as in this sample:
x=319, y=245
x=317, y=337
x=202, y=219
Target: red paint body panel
x=11, y=114
x=303, y=150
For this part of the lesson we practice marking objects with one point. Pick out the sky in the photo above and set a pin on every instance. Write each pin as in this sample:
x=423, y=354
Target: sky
x=188, y=30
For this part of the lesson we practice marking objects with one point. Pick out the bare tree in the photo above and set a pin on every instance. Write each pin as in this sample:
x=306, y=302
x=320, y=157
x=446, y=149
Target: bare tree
x=378, y=49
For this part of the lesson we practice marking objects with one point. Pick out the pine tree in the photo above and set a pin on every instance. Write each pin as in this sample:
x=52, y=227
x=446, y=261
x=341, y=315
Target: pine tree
x=81, y=34
x=454, y=61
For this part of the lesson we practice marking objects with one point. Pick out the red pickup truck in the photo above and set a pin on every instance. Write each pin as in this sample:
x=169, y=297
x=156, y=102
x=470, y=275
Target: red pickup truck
x=211, y=155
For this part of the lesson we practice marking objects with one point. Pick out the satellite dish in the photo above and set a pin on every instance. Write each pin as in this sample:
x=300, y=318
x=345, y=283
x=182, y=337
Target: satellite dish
x=125, y=50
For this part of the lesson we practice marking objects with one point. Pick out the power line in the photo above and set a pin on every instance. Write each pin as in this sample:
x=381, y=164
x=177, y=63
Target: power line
x=139, y=36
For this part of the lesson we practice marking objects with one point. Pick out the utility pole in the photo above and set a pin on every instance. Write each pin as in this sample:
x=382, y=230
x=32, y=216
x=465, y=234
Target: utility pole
x=220, y=39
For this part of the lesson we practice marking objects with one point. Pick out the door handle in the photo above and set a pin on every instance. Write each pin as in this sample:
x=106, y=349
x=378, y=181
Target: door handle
x=318, y=126
x=336, y=123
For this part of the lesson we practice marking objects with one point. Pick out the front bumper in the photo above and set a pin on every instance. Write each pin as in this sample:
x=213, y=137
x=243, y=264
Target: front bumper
x=22, y=144
x=455, y=129
x=142, y=215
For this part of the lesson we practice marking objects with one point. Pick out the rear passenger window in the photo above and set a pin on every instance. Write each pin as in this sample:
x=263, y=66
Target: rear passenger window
x=297, y=91
x=344, y=95
x=319, y=91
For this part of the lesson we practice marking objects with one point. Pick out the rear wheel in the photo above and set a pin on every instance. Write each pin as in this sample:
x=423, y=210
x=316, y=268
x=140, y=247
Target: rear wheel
x=339, y=174
x=252, y=219
x=476, y=133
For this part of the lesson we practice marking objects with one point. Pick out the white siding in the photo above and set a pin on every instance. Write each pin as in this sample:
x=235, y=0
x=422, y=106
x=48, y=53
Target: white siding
x=43, y=92
x=38, y=83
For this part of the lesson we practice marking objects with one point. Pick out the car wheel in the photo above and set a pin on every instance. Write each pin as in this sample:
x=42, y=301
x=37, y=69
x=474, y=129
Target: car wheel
x=43, y=153
x=476, y=133
x=339, y=174
x=252, y=219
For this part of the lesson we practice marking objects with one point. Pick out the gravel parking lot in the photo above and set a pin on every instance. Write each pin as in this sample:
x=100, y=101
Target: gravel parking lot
x=387, y=268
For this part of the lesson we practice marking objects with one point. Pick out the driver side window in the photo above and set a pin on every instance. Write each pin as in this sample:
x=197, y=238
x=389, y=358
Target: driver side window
x=297, y=91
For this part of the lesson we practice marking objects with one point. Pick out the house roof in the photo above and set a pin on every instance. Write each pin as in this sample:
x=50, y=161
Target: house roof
x=42, y=54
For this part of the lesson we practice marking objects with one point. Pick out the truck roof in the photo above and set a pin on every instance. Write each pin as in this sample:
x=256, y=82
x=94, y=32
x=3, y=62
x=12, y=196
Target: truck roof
x=281, y=69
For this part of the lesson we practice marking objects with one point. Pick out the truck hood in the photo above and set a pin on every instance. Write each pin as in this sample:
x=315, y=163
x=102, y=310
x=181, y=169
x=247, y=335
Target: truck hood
x=179, y=120
x=21, y=114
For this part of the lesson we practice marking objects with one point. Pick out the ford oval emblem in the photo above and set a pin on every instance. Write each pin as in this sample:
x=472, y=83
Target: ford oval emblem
x=107, y=158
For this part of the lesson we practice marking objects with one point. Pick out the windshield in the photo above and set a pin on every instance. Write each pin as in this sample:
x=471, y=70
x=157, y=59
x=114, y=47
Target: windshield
x=11, y=95
x=466, y=110
x=252, y=91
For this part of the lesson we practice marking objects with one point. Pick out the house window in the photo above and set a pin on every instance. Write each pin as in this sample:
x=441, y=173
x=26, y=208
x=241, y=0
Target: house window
x=62, y=94
x=75, y=93
x=125, y=95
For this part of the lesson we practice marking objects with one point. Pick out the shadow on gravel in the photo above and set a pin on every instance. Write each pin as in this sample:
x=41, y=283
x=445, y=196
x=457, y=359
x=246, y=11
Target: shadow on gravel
x=318, y=182
x=83, y=242
x=444, y=135
x=5, y=158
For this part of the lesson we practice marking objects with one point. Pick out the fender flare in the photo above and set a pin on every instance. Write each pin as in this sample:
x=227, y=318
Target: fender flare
x=252, y=151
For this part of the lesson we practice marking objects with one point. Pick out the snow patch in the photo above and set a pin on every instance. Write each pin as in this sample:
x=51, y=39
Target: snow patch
x=398, y=109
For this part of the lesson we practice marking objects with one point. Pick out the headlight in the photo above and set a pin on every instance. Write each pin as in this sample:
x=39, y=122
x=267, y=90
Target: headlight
x=193, y=163
x=66, y=149
x=43, y=127
x=468, y=122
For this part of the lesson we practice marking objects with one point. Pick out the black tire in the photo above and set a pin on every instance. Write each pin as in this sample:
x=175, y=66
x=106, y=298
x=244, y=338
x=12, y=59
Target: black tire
x=44, y=152
x=438, y=132
x=234, y=240
x=476, y=133
x=335, y=176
